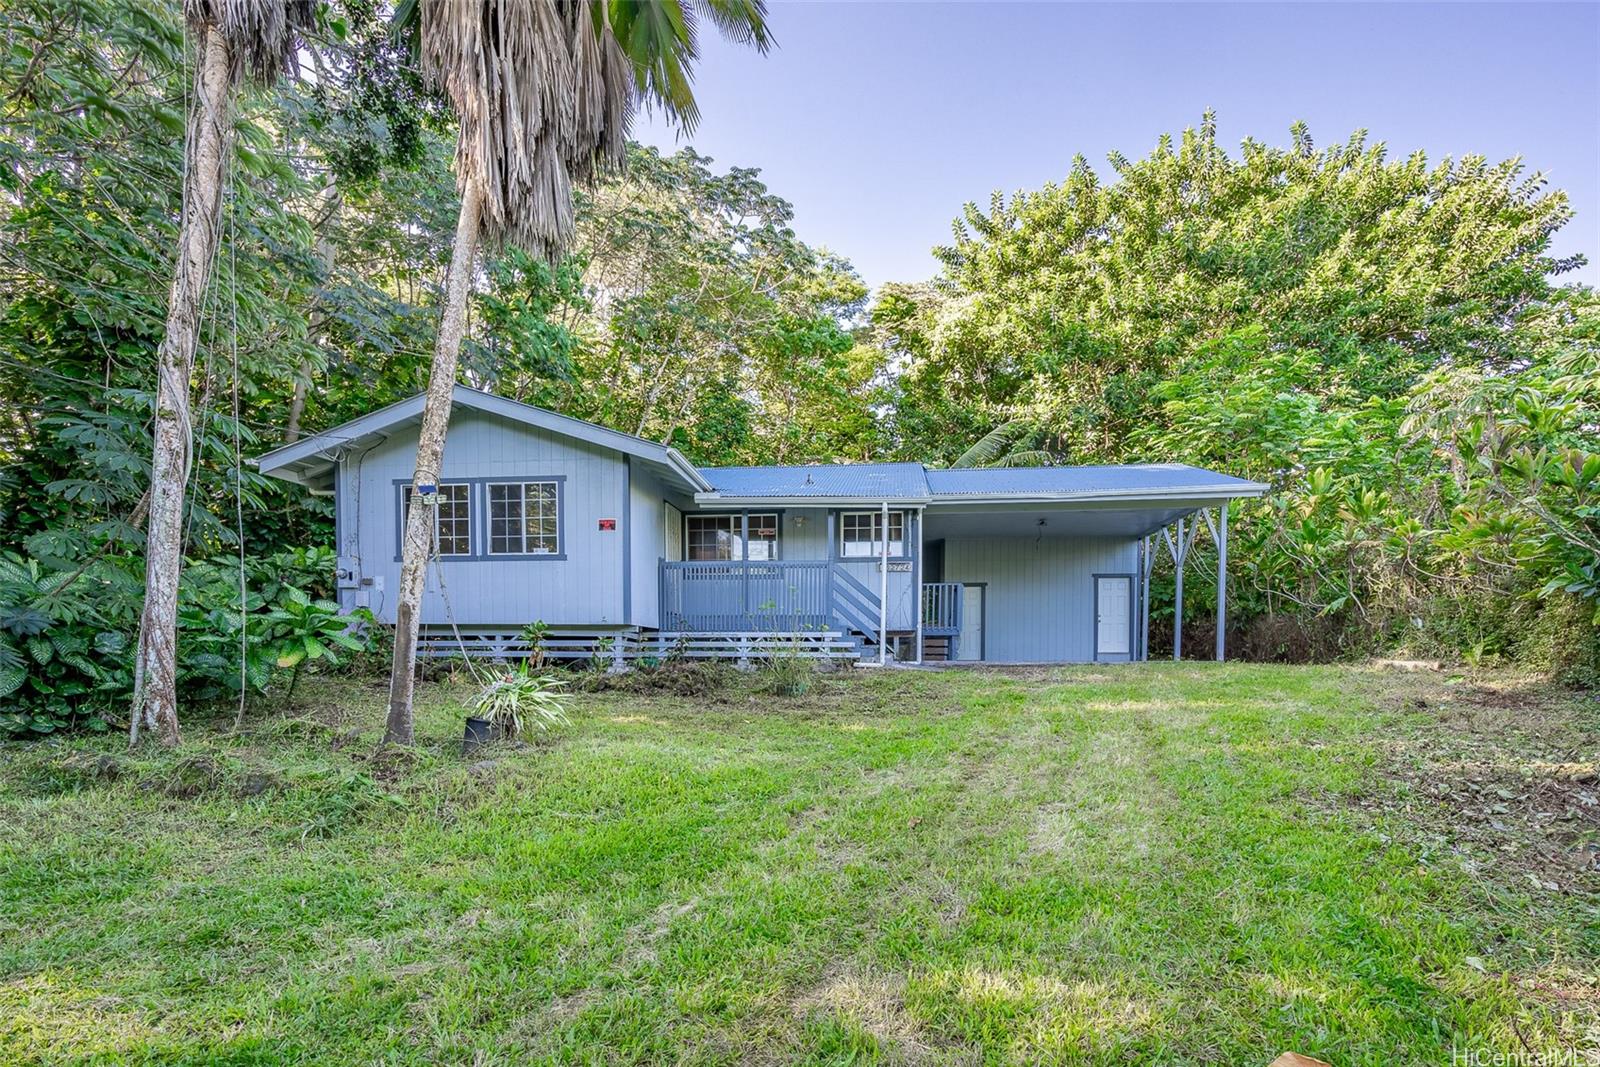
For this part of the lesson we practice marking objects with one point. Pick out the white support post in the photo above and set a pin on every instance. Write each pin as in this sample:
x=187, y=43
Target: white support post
x=1222, y=581
x=1177, y=597
x=1147, y=561
x=916, y=585
x=883, y=589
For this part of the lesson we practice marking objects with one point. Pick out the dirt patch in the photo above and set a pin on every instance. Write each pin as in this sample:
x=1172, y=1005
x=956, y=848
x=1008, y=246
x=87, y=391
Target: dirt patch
x=642, y=938
x=873, y=1001
x=1502, y=774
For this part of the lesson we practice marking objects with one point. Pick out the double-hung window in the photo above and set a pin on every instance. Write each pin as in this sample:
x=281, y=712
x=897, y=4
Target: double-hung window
x=722, y=537
x=524, y=518
x=452, y=518
x=861, y=534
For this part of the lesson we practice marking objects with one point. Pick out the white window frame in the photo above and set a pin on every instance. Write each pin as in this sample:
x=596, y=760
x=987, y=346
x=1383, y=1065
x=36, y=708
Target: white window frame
x=853, y=549
x=407, y=490
x=522, y=485
x=740, y=545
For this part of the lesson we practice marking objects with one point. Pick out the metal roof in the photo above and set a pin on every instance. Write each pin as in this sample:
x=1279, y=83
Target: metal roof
x=896, y=482
x=1126, y=479
x=310, y=460
x=912, y=483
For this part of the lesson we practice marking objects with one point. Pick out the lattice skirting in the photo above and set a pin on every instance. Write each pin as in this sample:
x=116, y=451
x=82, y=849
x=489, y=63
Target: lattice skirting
x=627, y=645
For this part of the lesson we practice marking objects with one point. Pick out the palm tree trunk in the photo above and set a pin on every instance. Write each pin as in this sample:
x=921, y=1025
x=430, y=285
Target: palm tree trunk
x=155, y=700
x=430, y=457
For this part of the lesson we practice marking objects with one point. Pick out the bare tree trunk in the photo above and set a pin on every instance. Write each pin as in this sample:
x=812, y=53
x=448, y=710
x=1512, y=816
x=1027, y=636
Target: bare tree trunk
x=155, y=699
x=430, y=458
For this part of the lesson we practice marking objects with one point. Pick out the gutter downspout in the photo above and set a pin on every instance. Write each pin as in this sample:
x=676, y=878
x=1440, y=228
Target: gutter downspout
x=883, y=590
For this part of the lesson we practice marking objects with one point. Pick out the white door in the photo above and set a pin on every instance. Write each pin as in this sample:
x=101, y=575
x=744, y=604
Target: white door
x=1113, y=609
x=674, y=534
x=969, y=648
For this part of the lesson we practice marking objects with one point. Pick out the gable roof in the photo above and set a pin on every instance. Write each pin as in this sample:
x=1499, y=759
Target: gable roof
x=914, y=484
x=310, y=461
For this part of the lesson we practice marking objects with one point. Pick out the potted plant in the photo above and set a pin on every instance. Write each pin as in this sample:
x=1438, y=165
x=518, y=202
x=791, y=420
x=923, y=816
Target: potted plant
x=511, y=702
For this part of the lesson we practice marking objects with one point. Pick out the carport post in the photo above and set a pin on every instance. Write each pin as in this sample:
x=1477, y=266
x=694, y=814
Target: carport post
x=1147, y=565
x=1177, y=597
x=1219, y=534
x=1222, y=581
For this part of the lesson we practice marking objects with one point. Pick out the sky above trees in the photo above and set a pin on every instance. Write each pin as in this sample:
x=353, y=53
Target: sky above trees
x=879, y=120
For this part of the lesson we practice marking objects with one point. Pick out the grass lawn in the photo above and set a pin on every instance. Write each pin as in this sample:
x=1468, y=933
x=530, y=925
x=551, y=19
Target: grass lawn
x=1148, y=864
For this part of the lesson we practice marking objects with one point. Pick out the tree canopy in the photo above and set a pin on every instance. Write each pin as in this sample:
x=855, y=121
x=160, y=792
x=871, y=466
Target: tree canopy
x=1385, y=339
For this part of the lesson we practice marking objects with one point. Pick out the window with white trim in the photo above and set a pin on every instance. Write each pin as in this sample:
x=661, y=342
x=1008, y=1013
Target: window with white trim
x=861, y=534
x=452, y=518
x=524, y=518
x=763, y=541
x=721, y=537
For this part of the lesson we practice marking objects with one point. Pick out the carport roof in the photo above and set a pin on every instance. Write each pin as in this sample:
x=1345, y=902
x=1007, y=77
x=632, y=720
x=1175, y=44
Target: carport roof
x=912, y=483
x=1139, y=480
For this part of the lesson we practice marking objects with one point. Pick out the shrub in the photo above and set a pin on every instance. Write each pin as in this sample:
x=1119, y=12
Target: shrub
x=519, y=698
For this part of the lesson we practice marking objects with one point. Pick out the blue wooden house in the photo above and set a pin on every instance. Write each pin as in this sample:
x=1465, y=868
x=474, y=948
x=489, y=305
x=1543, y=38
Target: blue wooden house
x=621, y=546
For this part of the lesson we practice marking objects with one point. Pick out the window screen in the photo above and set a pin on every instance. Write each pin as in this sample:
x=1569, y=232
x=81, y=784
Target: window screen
x=524, y=518
x=861, y=533
x=452, y=518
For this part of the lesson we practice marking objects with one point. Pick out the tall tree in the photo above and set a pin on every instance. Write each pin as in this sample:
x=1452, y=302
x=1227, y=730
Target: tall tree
x=234, y=40
x=543, y=91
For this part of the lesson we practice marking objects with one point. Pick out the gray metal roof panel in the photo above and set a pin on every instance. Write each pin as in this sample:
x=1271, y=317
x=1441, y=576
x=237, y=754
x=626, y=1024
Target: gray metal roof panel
x=1083, y=481
x=865, y=481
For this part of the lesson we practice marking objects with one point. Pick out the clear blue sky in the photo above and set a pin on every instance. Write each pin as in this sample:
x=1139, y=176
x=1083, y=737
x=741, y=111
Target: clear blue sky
x=879, y=120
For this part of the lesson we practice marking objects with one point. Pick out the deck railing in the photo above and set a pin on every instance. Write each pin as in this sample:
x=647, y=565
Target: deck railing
x=786, y=596
x=941, y=608
x=726, y=596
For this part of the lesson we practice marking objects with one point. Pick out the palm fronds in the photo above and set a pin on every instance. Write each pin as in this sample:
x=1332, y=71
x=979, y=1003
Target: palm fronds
x=1017, y=443
x=262, y=34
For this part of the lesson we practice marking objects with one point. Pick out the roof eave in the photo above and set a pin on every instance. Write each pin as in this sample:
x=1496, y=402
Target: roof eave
x=279, y=463
x=715, y=499
x=1241, y=491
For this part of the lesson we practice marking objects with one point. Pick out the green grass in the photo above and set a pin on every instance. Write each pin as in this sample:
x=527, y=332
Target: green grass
x=1136, y=865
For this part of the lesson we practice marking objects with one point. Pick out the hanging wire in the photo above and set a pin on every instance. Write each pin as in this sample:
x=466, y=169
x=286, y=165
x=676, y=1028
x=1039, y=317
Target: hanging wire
x=478, y=676
x=238, y=448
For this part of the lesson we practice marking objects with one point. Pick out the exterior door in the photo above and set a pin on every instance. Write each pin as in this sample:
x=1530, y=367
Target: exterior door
x=969, y=648
x=674, y=533
x=1113, y=613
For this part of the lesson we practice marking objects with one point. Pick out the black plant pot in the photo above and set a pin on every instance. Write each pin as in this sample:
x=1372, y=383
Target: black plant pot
x=479, y=733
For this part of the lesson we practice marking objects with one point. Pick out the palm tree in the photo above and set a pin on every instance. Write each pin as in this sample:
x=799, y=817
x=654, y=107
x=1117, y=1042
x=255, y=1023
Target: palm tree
x=1018, y=443
x=543, y=91
x=235, y=40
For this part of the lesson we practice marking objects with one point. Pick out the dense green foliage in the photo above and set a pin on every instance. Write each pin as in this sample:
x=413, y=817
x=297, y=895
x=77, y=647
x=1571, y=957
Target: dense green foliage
x=1378, y=339
x=340, y=206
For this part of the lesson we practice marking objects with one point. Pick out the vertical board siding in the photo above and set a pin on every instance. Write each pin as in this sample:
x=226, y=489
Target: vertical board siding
x=584, y=589
x=646, y=517
x=1040, y=592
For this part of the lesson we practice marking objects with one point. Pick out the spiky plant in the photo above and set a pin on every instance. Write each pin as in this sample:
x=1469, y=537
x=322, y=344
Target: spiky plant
x=235, y=41
x=1018, y=443
x=543, y=91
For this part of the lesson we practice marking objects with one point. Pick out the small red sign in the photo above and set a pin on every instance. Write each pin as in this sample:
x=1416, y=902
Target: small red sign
x=608, y=524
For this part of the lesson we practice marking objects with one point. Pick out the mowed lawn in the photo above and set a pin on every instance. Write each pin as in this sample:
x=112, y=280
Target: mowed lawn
x=1145, y=864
